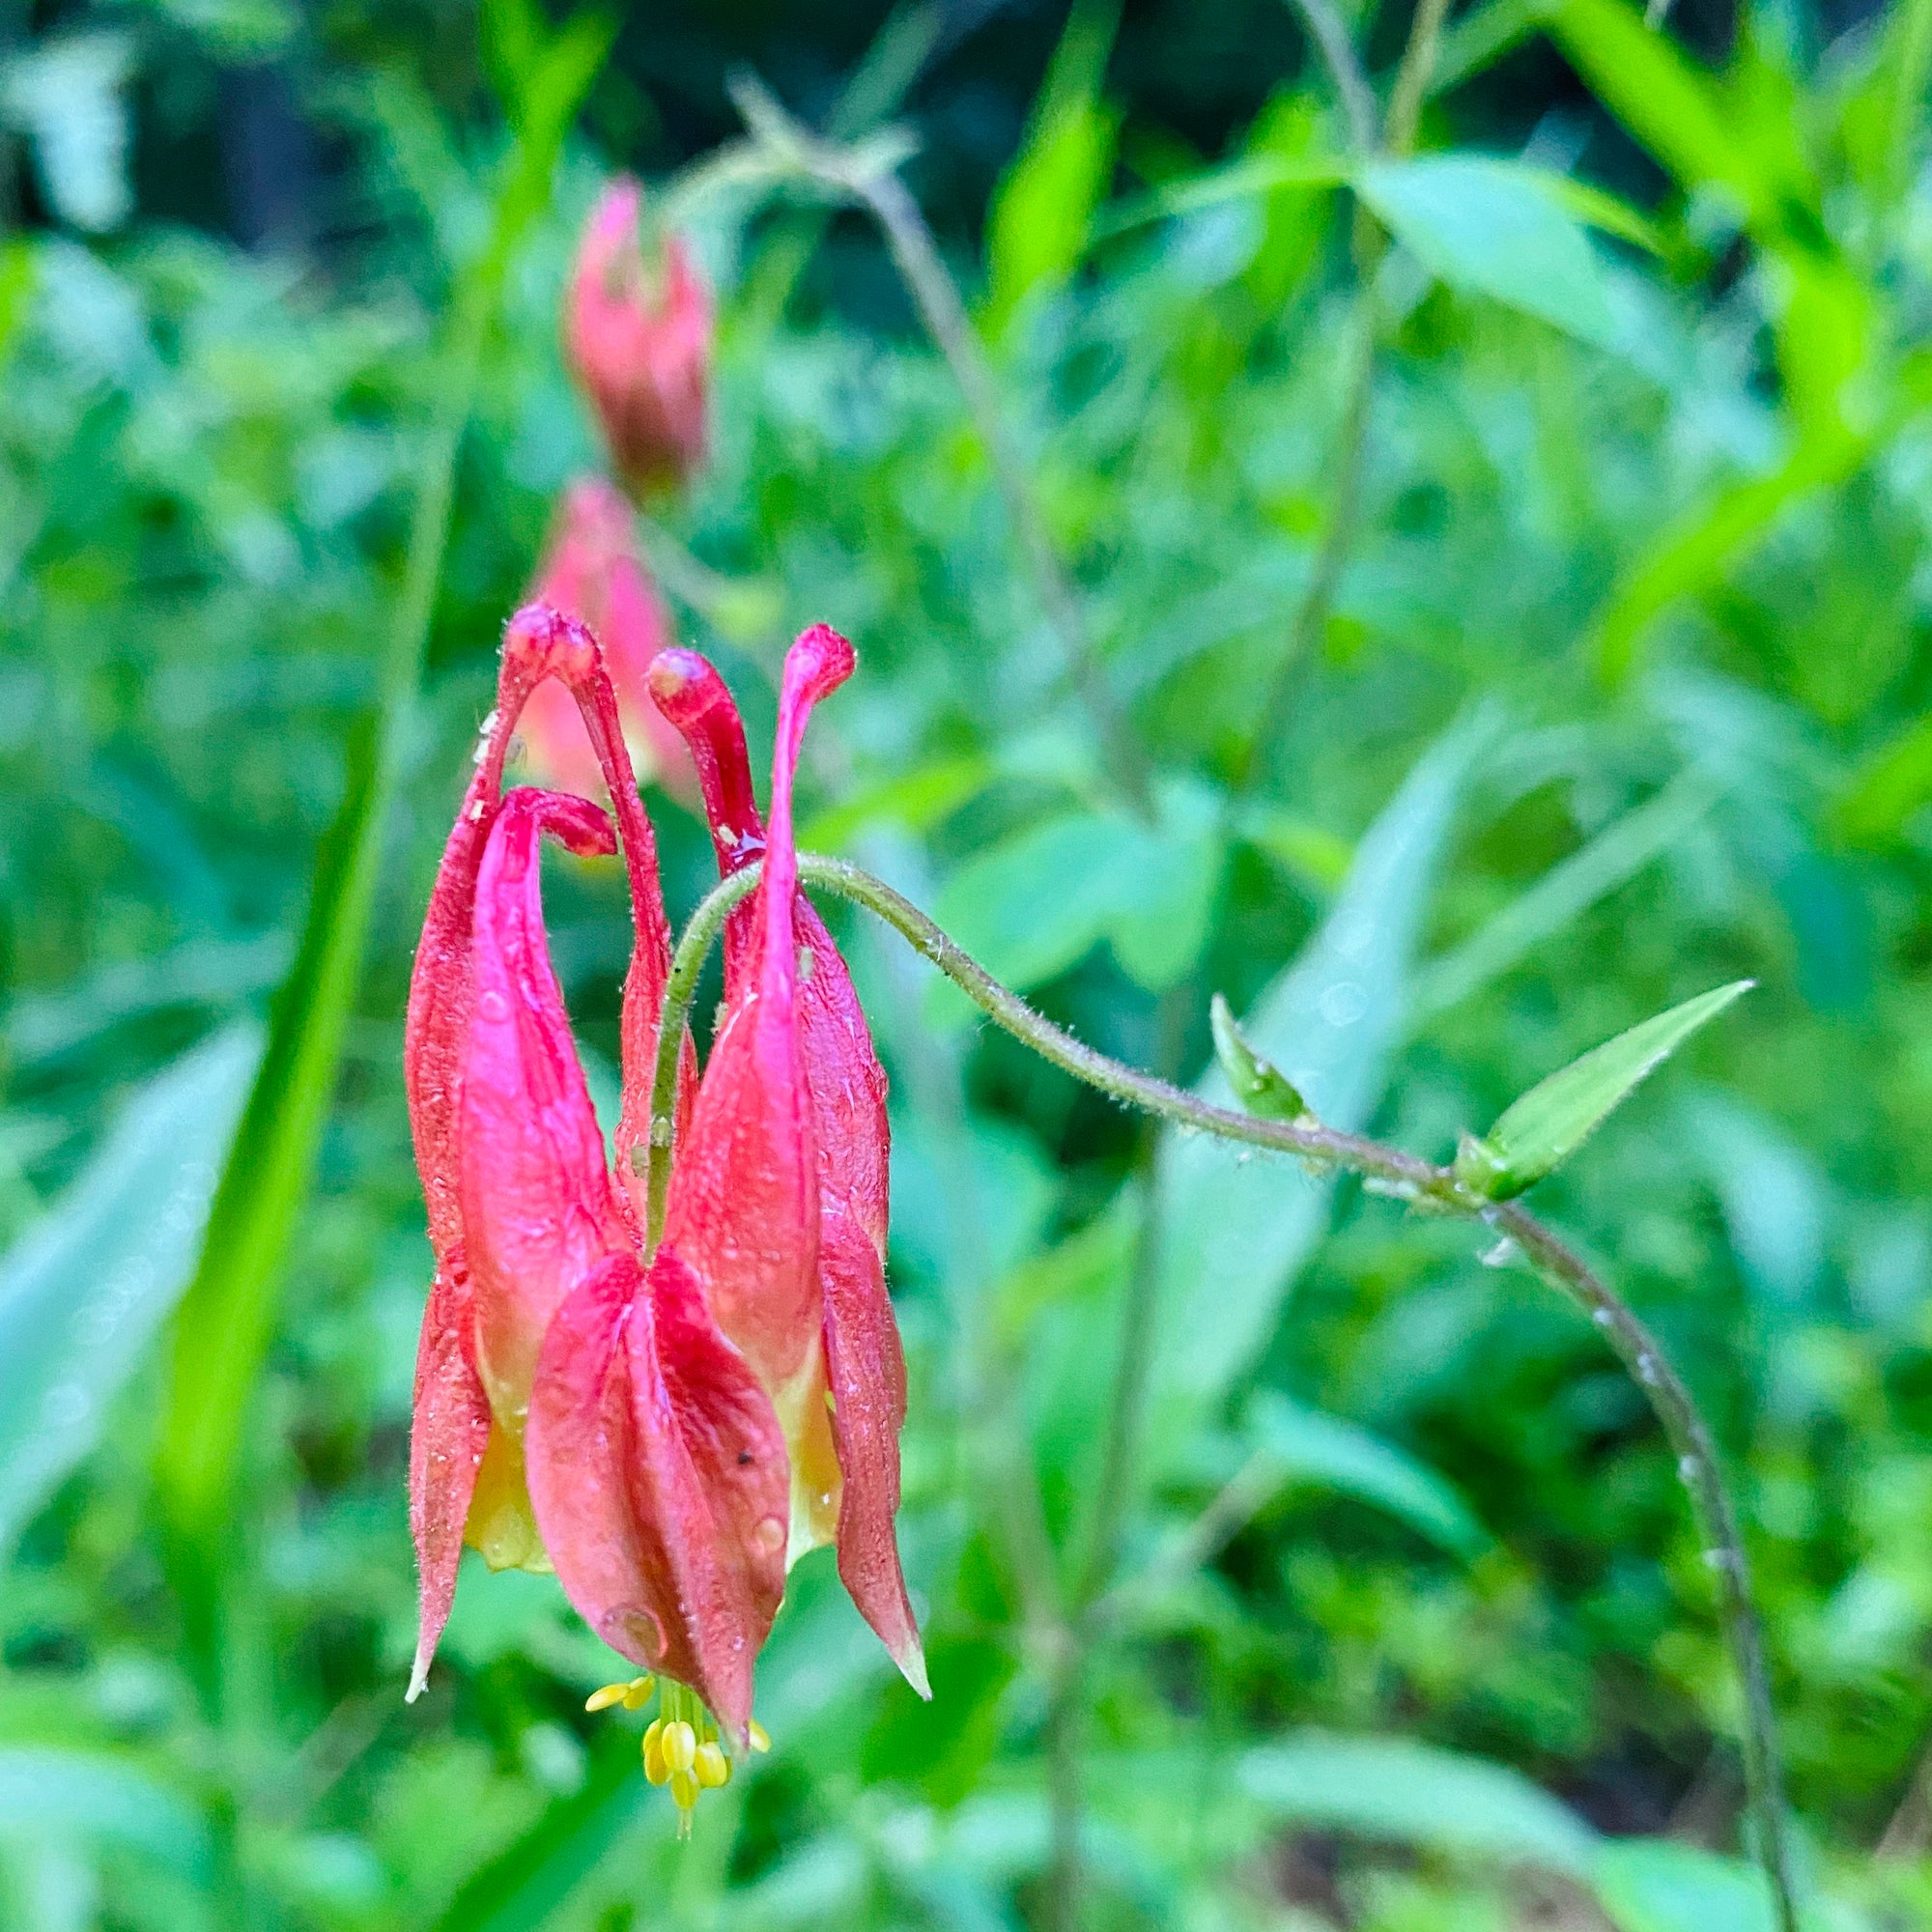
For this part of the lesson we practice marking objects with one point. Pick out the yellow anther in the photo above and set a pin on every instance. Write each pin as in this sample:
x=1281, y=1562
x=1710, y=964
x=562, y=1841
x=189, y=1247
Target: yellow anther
x=684, y=1788
x=760, y=1737
x=655, y=1767
x=711, y=1767
x=634, y=1695
x=679, y=1744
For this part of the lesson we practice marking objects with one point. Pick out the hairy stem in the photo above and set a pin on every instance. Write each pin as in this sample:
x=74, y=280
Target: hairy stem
x=1690, y=1439
x=693, y=947
x=1420, y=1183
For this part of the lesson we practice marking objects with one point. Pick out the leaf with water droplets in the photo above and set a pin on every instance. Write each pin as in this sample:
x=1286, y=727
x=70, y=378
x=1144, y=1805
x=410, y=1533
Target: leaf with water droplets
x=83, y=1292
x=1550, y=1123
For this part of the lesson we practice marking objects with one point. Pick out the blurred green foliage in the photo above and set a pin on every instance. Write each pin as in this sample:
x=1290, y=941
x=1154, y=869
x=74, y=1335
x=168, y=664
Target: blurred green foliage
x=1623, y=696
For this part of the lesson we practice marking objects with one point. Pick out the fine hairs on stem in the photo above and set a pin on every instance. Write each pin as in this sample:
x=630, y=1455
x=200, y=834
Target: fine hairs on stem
x=1403, y=1174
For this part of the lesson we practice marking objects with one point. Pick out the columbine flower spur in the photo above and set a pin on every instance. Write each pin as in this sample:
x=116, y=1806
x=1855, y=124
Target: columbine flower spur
x=667, y=1428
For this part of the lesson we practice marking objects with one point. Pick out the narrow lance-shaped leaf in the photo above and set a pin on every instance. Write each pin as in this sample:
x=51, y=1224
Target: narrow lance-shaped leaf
x=1259, y=1086
x=1550, y=1123
x=1489, y=227
x=1328, y=1452
x=84, y=1290
x=1410, y=1793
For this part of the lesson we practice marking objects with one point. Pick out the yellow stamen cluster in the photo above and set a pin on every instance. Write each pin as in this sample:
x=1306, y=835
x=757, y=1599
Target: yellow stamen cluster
x=681, y=1746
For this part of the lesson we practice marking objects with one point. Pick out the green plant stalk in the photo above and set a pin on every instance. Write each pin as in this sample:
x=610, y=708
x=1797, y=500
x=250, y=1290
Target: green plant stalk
x=933, y=289
x=1406, y=1177
x=1330, y=34
x=1345, y=510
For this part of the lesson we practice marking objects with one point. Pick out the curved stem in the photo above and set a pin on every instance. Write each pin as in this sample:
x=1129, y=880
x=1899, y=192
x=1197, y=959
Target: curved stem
x=1419, y=1181
x=1330, y=34
x=693, y=946
x=1690, y=1439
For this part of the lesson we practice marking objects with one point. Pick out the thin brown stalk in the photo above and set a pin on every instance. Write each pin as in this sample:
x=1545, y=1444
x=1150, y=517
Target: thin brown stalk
x=943, y=310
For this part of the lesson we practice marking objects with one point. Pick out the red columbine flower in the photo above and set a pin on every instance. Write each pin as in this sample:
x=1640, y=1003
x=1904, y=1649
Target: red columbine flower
x=592, y=571
x=638, y=338
x=864, y=1393
x=651, y=1424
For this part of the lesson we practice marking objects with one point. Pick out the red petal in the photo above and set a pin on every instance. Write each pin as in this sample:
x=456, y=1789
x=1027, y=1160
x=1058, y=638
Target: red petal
x=866, y=1370
x=538, y=1209
x=851, y=1134
x=660, y=1480
x=449, y=1425
x=688, y=691
x=441, y=984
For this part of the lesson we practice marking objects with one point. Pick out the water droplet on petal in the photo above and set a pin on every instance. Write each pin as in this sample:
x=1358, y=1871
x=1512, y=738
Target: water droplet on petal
x=768, y=1534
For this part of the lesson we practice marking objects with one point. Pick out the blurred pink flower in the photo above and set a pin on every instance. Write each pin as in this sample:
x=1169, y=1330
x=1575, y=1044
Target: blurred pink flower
x=638, y=338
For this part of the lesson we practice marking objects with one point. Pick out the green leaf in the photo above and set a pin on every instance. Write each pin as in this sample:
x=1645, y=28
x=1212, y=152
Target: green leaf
x=48, y=1791
x=521, y=1888
x=913, y=800
x=1694, y=551
x=1234, y=1229
x=84, y=1291
x=1650, y=1884
x=1030, y=909
x=1307, y=1446
x=1262, y=1089
x=1563, y=894
x=1674, y=108
x=1550, y=1123
x=1493, y=228
x=1037, y=225
x=1406, y=1793
x=1889, y=788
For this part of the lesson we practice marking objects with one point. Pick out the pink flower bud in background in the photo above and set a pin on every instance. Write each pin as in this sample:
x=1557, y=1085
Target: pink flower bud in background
x=639, y=339
x=592, y=572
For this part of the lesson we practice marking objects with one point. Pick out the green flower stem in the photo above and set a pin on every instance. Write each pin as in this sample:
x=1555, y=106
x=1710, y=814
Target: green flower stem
x=693, y=946
x=1420, y=1183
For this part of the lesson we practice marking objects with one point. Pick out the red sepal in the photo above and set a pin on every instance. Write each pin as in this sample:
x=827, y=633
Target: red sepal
x=538, y=1210
x=449, y=1427
x=658, y=1475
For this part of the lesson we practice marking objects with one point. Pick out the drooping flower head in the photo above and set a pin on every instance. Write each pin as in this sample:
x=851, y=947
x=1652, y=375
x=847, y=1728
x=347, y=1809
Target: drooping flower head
x=653, y=1425
x=593, y=571
x=638, y=337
